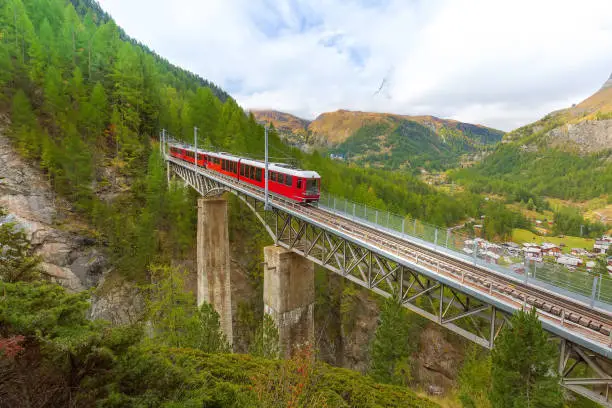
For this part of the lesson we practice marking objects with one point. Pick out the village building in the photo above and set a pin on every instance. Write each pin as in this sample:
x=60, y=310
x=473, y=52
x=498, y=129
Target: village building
x=570, y=262
x=602, y=245
x=533, y=253
x=492, y=257
x=580, y=252
x=549, y=249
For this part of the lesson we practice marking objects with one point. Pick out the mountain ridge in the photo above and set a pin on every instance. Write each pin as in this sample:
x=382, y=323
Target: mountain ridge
x=385, y=140
x=567, y=154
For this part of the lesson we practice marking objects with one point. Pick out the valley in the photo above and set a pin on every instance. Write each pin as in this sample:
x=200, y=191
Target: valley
x=99, y=242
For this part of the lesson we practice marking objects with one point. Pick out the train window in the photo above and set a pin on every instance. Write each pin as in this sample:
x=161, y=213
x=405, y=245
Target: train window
x=252, y=172
x=272, y=176
x=235, y=167
x=311, y=184
x=299, y=184
x=258, y=173
x=289, y=180
x=242, y=169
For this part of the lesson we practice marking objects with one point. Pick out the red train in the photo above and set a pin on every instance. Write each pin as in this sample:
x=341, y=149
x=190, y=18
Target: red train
x=303, y=186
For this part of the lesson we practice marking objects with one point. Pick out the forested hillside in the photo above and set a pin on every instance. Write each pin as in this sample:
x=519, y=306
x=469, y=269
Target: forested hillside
x=384, y=140
x=85, y=101
x=567, y=155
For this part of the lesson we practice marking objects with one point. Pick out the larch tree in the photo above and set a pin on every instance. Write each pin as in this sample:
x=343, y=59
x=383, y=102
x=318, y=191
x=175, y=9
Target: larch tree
x=523, y=366
x=392, y=345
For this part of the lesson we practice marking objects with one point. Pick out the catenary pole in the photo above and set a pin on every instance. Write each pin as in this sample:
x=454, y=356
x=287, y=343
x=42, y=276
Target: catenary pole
x=267, y=203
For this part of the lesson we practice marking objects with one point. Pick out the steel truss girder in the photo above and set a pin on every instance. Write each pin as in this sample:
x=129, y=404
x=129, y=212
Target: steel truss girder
x=597, y=385
x=458, y=312
x=449, y=307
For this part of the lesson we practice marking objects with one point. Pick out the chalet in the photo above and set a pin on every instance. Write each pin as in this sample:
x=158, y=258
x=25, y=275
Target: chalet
x=533, y=253
x=569, y=261
x=579, y=252
x=491, y=257
x=590, y=265
x=549, y=249
x=512, y=248
x=602, y=245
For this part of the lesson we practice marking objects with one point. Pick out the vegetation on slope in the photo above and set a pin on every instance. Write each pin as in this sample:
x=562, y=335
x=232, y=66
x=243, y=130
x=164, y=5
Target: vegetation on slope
x=52, y=355
x=85, y=101
x=564, y=155
x=386, y=140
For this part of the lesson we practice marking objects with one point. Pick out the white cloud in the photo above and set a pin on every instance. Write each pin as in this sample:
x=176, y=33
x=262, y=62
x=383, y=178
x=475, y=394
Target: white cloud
x=500, y=63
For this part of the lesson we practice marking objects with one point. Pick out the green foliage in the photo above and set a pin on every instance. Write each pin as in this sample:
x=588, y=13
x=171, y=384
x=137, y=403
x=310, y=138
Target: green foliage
x=89, y=364
x=176, y=320
x=568, y=221
x=475, y=379
x=16, y=260
x=523, y=362
x=406, y=144
x=547, y=172
x=499, y=221
x=390, y=352
x=266, y=339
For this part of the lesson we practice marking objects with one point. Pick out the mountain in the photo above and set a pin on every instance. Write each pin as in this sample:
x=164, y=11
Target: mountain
x=284, y=122
x=386, y=140
x=567, y=154
x=584, y=128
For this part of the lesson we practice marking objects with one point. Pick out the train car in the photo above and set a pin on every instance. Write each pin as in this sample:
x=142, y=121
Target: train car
x=303, y=186
x=296, y=184
x=187, y=154
x=223, y=163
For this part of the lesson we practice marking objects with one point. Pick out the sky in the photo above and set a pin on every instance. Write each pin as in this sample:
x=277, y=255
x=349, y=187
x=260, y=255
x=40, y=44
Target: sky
x=500, y=63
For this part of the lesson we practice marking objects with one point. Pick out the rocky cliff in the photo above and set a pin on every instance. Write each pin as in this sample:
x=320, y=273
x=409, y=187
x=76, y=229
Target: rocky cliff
x=69, y=254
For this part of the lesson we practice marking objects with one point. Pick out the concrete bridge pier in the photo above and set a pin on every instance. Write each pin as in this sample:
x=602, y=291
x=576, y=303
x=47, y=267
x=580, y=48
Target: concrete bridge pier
x=213, y=281
x=289, y=297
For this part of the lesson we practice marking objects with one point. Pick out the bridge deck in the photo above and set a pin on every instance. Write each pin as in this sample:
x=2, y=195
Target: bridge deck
x=564, y=316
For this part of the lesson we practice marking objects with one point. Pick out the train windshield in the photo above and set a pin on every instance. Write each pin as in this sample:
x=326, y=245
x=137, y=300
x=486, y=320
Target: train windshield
x=312, y=185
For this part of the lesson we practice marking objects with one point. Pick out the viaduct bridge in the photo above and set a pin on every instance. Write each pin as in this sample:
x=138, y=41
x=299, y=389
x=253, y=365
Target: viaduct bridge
x=470, y=300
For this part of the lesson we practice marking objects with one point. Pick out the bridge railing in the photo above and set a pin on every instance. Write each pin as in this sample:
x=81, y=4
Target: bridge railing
x=577, y=284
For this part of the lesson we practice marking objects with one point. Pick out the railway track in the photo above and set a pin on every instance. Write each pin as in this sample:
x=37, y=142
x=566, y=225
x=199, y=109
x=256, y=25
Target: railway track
x=556, y=308
x=596, y=324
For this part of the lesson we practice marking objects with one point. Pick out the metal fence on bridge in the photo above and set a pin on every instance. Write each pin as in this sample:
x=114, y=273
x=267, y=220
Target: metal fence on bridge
x=581, y=285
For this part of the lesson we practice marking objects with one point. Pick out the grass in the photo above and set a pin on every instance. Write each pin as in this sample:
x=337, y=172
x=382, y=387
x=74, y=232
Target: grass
x=521, y=235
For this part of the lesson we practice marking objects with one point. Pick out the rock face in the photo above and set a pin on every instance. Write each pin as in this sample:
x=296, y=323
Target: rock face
x=438, y=360
x=589, y=136
x=119, y=303
x=68, y=258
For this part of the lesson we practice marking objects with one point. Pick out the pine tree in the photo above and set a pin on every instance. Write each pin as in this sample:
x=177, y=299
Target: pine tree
x=266, y=339
x=96, y=112
x=523, y=373
x=16, y=260
x=177, y=321
x=392, y=345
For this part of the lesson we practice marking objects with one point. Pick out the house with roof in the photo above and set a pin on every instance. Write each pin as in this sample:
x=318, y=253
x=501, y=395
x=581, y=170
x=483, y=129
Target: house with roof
x=579, y=252
x=549, y=249
x=533, y=253
x=569, y=261
x=602, y=245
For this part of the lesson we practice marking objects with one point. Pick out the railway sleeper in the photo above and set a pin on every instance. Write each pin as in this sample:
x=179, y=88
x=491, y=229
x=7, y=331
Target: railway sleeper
x=555, y=310
x=572, y=317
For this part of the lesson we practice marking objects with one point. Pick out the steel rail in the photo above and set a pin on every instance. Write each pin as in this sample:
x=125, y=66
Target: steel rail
x=579, y=313
x=568, y=313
